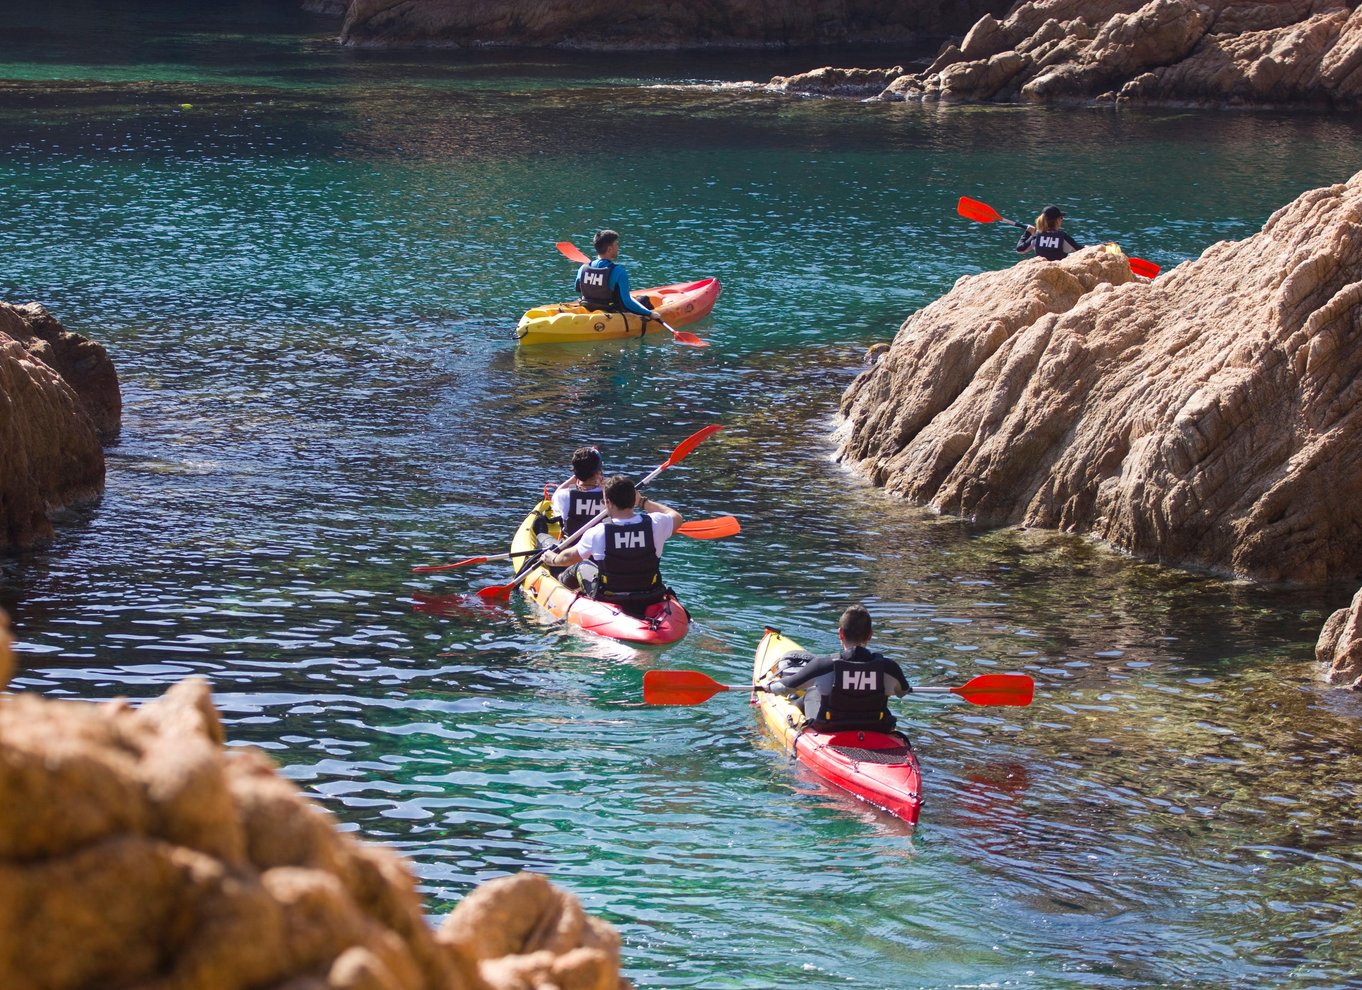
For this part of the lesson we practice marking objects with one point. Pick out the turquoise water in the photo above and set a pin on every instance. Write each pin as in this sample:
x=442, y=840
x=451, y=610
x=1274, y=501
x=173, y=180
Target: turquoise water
x=309, y=279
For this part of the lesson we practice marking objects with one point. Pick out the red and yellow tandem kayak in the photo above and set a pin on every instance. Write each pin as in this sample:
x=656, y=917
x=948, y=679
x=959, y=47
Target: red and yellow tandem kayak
x=567, y=323
x=665, y=622
x=878, y=767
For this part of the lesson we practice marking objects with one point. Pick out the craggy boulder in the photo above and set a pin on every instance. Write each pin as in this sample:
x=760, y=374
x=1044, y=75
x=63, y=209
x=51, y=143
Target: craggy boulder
x=59, y=400
x=1204, y=52
x=1210, y=417
x=137, y=851
x=1340, y=645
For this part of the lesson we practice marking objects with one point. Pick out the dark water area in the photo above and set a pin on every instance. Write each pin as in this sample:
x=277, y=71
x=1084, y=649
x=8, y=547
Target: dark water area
x=307, y=263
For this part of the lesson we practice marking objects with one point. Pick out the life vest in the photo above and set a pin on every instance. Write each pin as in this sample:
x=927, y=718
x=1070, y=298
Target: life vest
x=630, y=564
x=583, y=506
x=594, y=285
x=1050, y=245
x=858, y=699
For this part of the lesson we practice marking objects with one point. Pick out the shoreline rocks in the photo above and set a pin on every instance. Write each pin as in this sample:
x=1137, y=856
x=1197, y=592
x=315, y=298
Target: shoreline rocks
x=1340, y=645
x=62, y=403
x=175, y=862
x=1212, y=53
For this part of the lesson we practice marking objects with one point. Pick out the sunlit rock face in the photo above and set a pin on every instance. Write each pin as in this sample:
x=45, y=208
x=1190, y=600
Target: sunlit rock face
x=1210, y=417
x=59, y=401
x=136, y=850
x=1340, y=645
x=601, y=24
x=1201, y=52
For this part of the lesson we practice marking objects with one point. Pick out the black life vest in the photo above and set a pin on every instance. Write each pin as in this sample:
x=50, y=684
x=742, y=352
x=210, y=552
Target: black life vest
x=583, y=506
x=859, y=698
x=630, y=564
x=1050, y=245
x=594, y=285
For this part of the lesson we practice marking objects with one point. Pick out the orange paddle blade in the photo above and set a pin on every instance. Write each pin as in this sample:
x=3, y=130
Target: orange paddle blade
x=975, y=210
x=690, y=443
x=568, y=250
x=680, y=687
x=710, y=529
x=998, y=689
x=689, y=339
x=1146, y=268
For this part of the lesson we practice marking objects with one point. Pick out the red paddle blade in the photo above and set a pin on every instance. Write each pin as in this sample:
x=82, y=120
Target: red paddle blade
x=428, y=568
x=689, y=339
x=497, y=592
x=975, y=210
x=998, y=689
x=1146, y=268
x=679, y=687
x=710, y=529
x=568, y=250
x=690, y=443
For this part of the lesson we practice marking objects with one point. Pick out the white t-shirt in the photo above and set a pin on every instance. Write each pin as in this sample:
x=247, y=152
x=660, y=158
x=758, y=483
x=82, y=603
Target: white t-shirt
x=592, y=543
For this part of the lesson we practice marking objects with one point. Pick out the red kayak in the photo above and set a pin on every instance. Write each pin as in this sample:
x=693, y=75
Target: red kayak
x=878, y=767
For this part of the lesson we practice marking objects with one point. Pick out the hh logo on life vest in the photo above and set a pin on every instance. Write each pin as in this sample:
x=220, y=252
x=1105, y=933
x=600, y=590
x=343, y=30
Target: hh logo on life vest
x=1051, y=242
x=631, y=541
x=860, y=680
x=594, y=508
x=595, y=277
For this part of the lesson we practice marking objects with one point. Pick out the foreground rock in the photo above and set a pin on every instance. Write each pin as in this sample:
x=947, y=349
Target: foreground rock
x=652, y=23
x=1205, y=52
x=1340, y=645
x=137, y=851
x=60, y=397
x=1208, y=418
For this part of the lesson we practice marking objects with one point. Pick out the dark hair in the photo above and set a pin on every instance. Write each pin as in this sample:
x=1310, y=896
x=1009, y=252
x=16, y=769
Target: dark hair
x=620, y=491
x=855, y=624
x=604, y=238
x=586, y=463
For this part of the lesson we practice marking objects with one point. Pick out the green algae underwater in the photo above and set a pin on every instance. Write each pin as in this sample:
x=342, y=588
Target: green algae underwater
x=307, y=264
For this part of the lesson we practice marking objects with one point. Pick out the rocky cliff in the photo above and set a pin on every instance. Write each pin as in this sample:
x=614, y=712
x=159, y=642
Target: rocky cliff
x=136, y=850
x=1210, y=417
x=1204, y=52
x=59, y=399
x=652, y=24
x=1340, y=645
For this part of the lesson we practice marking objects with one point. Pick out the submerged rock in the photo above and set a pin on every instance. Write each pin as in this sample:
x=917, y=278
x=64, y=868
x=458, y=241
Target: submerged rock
x=656, y=24
x=136, y=850
x=1203, y=52
x=1340, y=645
x=1208, y=418
x=59, y=398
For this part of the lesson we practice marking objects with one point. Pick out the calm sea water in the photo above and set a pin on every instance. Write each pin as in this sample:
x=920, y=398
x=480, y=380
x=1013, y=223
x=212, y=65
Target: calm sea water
x=307, y=264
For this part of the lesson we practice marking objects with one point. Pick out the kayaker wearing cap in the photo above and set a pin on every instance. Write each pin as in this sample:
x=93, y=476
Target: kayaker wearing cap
x=604, y=284
x=618, y=560
x=848, y=691
x=1047, y=237
x=580, y=499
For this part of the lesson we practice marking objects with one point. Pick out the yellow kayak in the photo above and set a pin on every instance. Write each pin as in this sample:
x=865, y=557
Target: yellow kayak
x=568, y=323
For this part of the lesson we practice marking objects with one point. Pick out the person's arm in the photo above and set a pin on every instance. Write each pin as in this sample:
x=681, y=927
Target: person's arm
x=793, y=679
x=1025, y=242
x=903, y=687
x=649, y=507
x=577, y=284
x=1070, y=245
x=628, y=302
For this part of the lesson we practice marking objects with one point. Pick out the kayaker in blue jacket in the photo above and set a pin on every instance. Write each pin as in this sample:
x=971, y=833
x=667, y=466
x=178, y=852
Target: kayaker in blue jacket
x=604, y=284
x=618, y=560
x=850, y=690
x=1047, y=237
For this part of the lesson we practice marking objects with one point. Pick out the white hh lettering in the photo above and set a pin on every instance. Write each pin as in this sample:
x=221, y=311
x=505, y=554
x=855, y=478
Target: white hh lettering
x=630, y=541
x=595, y=508
x=860, y=680
x=594, y=277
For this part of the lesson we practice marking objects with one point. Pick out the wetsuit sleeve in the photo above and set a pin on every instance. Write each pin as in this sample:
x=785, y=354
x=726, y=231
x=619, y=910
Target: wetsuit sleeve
x=620, y=278
x=806, y=673
x=1070, y=245
x=896, y=671
x=1025, y=242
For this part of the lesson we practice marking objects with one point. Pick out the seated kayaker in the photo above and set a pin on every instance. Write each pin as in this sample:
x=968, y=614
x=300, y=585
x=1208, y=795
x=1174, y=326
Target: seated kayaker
x=1047, y=237
x=578, y=500
x=604, y=284
x=847, y=691
x=618, y=560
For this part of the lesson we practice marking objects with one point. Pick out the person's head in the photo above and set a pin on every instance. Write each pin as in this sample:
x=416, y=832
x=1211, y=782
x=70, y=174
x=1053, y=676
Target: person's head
x=586, y=463
x=854, y=626
x=1051, y=218
x=607, y=243
x=620, y=492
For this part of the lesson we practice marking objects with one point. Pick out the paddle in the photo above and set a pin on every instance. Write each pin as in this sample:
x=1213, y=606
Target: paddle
x=690, y=687
x=568, y=250
x=974, y=210
x=682, y=450
x=697, y=529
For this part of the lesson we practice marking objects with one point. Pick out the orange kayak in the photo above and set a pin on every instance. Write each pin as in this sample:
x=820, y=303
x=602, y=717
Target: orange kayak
x=567, y=323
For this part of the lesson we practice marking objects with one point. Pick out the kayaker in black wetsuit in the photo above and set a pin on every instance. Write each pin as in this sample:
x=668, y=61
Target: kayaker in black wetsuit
x=848, y=691
x=618, y=561
x=604, y=284
x=1047, y=237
